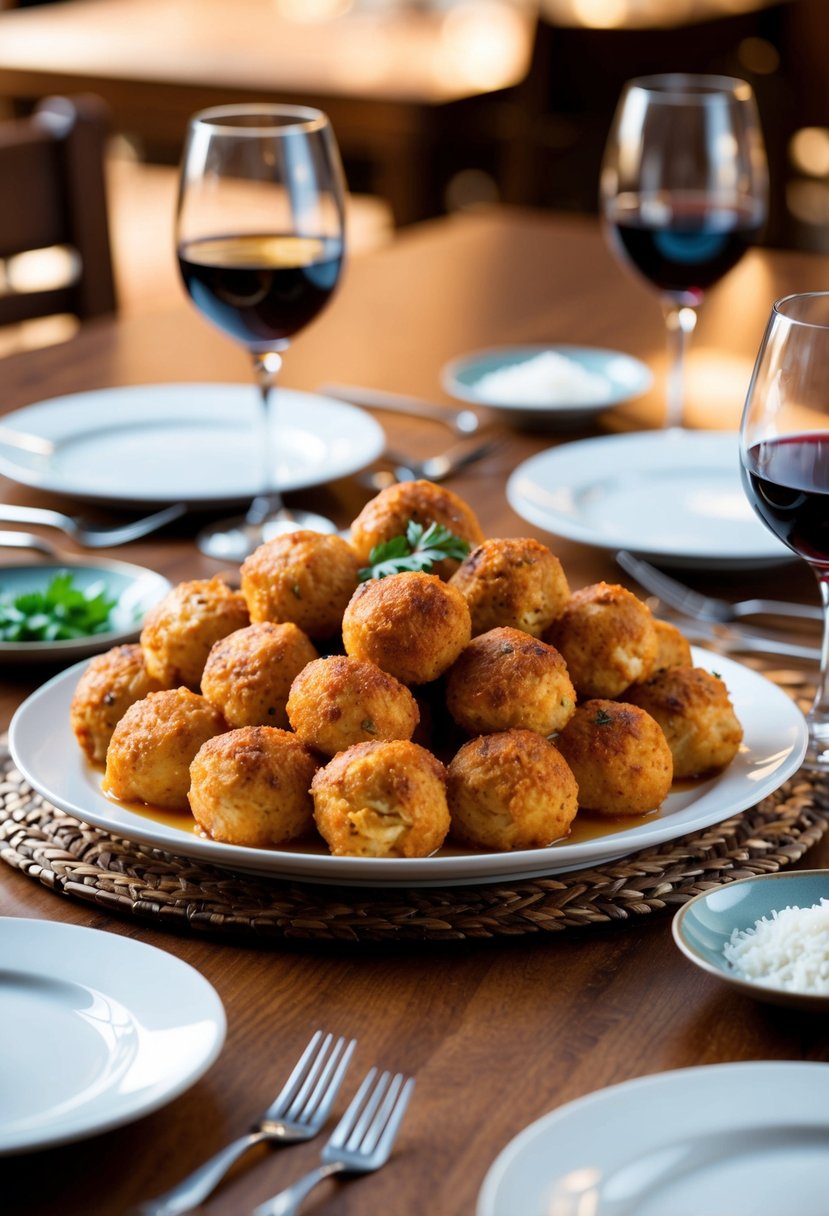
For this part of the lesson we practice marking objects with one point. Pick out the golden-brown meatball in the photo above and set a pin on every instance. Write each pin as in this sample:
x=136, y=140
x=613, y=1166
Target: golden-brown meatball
x=385, y=799
x=411, y=625
x=179, y=631
x=513, y=581
x=152, y=747
x=620, y=758
x=607, y=638
x=251, y=787
x=108, y=687
x=389, y=512
x=511, y=790
x=304, y=577
x=672, y=647
x=338, y=701
x=695, y=712
x=504, y=679
x=248, y=674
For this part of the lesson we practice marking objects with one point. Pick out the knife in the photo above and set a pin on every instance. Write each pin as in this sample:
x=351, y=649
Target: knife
x=462, y=422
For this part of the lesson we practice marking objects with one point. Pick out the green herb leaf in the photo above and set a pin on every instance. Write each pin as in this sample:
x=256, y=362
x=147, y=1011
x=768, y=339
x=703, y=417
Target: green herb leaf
x=419, y=549
x=61, y=612
x=602, y=718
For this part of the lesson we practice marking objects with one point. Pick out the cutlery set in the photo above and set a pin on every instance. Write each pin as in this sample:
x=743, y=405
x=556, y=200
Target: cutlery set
x=717, y=620
x=361, y=1142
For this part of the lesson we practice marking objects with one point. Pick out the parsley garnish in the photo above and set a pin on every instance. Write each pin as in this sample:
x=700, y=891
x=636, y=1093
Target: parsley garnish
x=417, y=550
x=602, y=717
x=59, y=613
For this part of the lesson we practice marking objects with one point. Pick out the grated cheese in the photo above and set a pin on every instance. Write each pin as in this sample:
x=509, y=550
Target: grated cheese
x=545, y=379
x=788, y=950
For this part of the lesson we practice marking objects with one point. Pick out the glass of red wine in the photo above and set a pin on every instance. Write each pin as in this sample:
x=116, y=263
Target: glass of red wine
x=784, y=454
x=684, y=190
x=259, y=237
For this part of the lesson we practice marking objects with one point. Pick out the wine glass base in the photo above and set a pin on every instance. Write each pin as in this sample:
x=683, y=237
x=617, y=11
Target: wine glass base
x=232, y=540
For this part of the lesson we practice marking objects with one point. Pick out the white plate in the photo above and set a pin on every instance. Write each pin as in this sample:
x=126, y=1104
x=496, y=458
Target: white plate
x=135, y=588
x=703, y=927
x=194, y=443
x=747, y=1138
x=674, y=496
x=616, y=376
x=47, y=754
x=97, y=1030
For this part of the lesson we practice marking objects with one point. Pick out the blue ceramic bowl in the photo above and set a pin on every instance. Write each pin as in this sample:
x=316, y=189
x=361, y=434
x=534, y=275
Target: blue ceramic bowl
x=135, y=589
x=704, y=925
x=613, y=379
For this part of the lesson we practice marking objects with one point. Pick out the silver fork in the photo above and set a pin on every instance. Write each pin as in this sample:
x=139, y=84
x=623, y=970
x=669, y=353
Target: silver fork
x=360, y=1143
x=707, y=607
x=298, y=1113
x=433, y=468
x=86, y=534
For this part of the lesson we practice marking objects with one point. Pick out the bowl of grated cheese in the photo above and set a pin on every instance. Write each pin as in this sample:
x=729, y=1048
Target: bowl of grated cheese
x=766, y=936
x=546, y=387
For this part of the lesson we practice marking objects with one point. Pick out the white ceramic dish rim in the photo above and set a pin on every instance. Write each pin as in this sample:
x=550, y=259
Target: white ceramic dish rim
x=360, y=441
x=465, y=392
x=774, y=746
x=73, y=648
x=679, y=1104
x=582, y=463
x=158, y=990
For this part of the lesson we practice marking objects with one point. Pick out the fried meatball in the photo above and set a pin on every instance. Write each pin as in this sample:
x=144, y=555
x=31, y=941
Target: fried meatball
x=607, y=638
x=251, y=787
x=693, y=708
x=411, y=625
x=108, y=687
x=620, y=758
x=248, y=674
x=304, y=577
x=514, y=581
x=512, y=790
x=384, y=799
x=672, y=647
x=152, y=747
x=388, y=514
x=505, y=679
x=179, y=631
x=338, y=701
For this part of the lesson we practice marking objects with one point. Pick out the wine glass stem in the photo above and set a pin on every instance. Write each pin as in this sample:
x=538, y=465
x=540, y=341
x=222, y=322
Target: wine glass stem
x=680, y=322
x=268, y=501
x=819, y=713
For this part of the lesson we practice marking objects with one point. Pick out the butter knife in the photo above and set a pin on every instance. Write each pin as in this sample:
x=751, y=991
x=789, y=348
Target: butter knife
x=462, y=422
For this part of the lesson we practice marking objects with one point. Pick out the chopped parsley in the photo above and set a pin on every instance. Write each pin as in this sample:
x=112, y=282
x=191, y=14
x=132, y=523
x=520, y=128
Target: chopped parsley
x=60, y=613
x=419, y=549
x=602, y=718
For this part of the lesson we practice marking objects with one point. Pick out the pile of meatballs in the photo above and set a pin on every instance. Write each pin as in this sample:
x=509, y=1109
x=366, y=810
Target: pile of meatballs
x=484, y=701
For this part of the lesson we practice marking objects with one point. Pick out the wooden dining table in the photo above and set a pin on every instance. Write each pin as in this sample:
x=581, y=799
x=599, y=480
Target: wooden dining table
x=497, y=1028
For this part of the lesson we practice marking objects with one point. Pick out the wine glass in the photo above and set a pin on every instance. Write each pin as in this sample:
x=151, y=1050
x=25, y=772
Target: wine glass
x=259, y=237
x=784, y=454
x=684, y=190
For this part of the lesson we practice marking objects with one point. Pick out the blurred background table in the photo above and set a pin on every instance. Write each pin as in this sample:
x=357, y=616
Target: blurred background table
x=388, y=77
x=497, y=1032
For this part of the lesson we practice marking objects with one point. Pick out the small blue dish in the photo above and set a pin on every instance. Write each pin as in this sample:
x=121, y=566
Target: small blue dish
x=590, y=381
x=134, y=588
x=704, y=925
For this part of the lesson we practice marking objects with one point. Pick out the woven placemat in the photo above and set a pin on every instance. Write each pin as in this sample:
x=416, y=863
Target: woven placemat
x=86, y=863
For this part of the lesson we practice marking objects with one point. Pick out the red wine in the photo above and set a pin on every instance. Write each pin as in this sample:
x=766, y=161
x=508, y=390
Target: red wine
x=688, y=246
x=261, y=289
x=787, y=483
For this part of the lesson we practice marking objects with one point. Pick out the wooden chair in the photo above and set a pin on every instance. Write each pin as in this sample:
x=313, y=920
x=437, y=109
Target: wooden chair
x=53, y=194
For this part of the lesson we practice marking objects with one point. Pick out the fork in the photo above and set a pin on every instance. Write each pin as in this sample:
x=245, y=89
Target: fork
x=86, y=534
x=433, y=468
x=298, y=1113
x=360, y=1143
x=707, y=607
